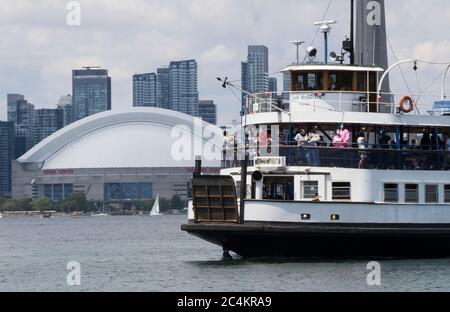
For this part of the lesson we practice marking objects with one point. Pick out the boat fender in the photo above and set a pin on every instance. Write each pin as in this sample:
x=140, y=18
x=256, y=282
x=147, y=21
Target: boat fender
x=410, y=102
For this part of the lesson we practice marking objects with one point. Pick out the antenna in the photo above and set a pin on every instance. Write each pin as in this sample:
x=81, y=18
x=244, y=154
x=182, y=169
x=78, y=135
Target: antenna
x=352, y=32
x=325, y=28
x=298, y=43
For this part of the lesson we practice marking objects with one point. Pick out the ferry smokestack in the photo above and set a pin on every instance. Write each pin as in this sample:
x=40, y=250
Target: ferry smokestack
x=371, y=38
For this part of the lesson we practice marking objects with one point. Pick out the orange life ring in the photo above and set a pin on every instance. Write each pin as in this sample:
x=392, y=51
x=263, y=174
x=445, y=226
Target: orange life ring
x=410, y=104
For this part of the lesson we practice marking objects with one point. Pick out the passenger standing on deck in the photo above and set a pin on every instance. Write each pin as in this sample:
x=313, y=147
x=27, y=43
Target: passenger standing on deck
x=337, y=139
x=362, y=146
x=314, y=157
x=345, y=135
x=425, y=142
x=302, y=140
x=228, y=148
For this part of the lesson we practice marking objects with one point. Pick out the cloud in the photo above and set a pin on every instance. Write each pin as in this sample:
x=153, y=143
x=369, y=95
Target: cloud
x=39, y=50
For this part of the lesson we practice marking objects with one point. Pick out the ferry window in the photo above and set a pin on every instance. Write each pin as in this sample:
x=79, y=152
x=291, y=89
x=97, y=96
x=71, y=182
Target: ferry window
x=447, y=194
x=411, y=193
x=391, y=193
x=340, y=81
x=312, y=81
x=431, y=194
x=300, y=86
x=341, y=190
x=278, y=188
x=362, y=81
x=308, y=81
x=310, y=189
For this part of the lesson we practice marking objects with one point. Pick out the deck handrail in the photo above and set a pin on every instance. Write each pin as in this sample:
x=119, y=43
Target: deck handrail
x=365, y=100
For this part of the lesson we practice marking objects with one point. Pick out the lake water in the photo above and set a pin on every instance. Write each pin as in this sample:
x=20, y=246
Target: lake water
x=152, y=254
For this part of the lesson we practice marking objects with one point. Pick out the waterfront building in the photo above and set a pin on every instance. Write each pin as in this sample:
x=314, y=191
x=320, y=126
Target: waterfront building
x=46, y=122
x=255, y=70
x=184, y=87
x=7, y=142
x=21, y=113
x=273, y=85
x=91, y=90
x=65, y=105
x=208, y=111
x=163, y=87
x=115, y=166
x=145, y=90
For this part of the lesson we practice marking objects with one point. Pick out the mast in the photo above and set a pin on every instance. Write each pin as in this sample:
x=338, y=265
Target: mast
x=352, y=32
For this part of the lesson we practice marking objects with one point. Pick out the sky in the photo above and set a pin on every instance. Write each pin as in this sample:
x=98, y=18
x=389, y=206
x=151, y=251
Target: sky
x=38, y=49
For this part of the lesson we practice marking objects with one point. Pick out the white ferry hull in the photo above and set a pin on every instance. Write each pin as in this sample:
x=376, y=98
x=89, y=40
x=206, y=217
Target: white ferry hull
x=307, y=230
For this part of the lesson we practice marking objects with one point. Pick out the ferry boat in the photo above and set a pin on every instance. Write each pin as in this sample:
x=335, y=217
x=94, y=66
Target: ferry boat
x=334, y=168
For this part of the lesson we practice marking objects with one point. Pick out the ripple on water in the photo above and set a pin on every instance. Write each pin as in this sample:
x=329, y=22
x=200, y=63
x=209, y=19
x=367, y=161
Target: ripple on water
x=153, y=254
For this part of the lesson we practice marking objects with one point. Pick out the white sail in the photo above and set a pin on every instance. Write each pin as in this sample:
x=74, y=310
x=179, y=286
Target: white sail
x=155, y=210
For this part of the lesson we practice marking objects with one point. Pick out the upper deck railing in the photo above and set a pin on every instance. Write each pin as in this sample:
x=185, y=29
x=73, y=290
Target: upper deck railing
x=341, y=101
x=373, y=157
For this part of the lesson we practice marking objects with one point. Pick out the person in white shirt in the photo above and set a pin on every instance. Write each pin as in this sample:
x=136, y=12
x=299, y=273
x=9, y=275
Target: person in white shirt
x=302, y=140
x=362, y=146
x=228, y=148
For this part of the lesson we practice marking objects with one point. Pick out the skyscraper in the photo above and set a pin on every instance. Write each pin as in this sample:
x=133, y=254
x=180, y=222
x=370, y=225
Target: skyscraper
x=208, y=111
x=163, y=87
x=65, y=105
x=91, y=90
x=21, y=114
x=46, y=122
x=145, y=90
x=7, y=134
x=273, y=85
x=257, y=69
x=184, y=87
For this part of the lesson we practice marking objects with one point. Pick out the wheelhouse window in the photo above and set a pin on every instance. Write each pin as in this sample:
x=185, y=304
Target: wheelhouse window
x=342, y=191
x=340, y=81
x=310, y=189
x=361, y=83
x=431, y=194
x=307, y=81
x=447, y=194
x=411, y=193
x=391, y=193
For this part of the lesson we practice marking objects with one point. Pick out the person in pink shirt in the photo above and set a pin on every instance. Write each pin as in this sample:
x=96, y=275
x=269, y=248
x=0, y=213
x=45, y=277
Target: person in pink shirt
x=341, y=139
x=337, y=139
x=345, y=135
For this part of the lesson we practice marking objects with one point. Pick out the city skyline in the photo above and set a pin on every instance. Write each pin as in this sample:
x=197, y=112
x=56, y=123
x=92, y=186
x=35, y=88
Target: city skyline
x=218, y=51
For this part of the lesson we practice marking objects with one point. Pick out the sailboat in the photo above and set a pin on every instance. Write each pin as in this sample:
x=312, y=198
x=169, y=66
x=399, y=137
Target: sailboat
x=155, y=210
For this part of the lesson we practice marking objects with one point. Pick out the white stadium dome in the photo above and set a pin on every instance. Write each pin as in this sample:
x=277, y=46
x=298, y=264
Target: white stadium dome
x=136, y=138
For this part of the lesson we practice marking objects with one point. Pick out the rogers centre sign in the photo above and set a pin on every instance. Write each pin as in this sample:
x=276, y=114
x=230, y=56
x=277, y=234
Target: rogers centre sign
x=58, y=171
